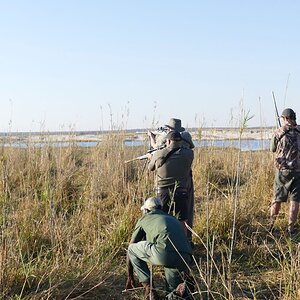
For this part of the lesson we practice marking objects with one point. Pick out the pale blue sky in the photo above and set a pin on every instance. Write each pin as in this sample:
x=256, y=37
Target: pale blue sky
x=80, y=64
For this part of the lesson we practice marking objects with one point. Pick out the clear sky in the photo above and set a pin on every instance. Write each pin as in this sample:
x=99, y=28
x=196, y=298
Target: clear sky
x=90, y=65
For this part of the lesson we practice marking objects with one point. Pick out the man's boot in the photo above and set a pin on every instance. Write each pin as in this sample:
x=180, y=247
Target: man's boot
x=150, y=293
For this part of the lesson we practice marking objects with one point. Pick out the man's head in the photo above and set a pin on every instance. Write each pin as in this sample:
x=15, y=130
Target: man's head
x=175, y=124
x=151, y=203
x=173, y=136
x=289, y=116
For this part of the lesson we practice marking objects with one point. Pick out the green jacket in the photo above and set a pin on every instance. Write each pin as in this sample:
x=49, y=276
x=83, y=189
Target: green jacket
x=160, y=229
x=175, y=170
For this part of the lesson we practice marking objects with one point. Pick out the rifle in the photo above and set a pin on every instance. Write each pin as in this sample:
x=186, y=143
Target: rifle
x=145, y=156
x=142, y=157
x=276, y=110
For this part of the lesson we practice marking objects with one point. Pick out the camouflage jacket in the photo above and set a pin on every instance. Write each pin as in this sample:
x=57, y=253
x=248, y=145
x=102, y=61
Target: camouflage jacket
x=286, y=145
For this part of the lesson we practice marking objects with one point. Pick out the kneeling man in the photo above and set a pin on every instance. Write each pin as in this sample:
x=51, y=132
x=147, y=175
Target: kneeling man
x=158, y=239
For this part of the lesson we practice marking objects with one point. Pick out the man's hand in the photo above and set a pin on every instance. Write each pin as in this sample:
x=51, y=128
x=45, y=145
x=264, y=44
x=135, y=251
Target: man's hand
x=151, y=134
x=152, y=137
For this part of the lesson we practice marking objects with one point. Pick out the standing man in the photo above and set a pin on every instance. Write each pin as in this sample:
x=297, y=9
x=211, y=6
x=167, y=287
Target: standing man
x=172, y=166
x=186, y=142
x=286, y=145
x=158, y=239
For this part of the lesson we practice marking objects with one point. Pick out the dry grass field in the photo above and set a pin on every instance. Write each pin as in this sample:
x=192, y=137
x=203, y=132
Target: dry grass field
x=67, y=215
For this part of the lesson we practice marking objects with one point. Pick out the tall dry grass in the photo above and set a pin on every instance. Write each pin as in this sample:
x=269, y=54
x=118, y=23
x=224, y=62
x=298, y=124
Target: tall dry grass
x=67, y=215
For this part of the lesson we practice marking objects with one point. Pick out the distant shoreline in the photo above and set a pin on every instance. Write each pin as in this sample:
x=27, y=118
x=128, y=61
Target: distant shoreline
x=251, y=133
x=137, y=130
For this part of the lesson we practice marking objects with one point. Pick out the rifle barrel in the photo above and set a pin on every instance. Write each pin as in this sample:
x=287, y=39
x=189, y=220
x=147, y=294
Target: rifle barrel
x=158, y=148
x=145, y=156
x=276, y=109
x=136, y=158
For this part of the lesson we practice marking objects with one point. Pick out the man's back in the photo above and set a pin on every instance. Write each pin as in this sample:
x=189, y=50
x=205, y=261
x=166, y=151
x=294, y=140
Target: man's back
x=175, y=169
x=287, y=147
x=163, y=231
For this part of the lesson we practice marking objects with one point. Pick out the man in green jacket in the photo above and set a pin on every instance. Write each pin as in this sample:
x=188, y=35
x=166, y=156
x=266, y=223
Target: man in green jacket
x=158, y=239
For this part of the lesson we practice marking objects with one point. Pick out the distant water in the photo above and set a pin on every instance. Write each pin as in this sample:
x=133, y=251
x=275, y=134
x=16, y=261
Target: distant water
x=246, y=145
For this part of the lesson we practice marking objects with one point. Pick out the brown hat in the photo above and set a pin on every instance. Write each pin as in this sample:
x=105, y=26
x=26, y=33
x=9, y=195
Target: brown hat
x=175, y=124
x=174, y=135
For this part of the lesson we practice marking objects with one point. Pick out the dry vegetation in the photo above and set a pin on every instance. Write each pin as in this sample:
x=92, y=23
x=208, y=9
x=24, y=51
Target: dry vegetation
x=67, y=215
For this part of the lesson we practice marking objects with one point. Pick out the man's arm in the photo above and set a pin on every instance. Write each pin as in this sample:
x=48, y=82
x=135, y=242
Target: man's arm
x=156, y=158
x=152, y=160
x=152, y=138
x=274, y=143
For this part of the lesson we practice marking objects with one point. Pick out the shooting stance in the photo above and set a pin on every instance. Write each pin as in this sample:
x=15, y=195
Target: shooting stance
x=286, y=145
x=159, y=139
x=172, y=166
x=158, y=239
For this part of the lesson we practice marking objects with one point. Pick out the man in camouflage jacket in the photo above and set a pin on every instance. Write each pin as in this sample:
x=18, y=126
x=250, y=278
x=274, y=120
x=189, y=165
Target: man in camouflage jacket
x=286, y=146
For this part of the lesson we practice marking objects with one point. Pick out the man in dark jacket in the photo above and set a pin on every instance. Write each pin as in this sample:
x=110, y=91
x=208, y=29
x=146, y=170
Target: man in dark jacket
x=172, y=166
x=286, y=145
x=157, y=140
x=158, y=239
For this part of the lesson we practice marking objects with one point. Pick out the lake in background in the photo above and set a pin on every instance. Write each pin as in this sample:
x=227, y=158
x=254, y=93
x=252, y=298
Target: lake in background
x=245, y=145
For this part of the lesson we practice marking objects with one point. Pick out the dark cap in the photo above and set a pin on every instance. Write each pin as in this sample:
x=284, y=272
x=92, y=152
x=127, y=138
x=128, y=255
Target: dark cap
x=173, y=135
x=175, y=124
x=289, y=113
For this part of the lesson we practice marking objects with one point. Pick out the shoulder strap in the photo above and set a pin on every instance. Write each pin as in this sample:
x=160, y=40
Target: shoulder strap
x=164, y=159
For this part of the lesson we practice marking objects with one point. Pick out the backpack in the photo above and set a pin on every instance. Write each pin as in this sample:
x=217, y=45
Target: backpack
x=288, y=148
